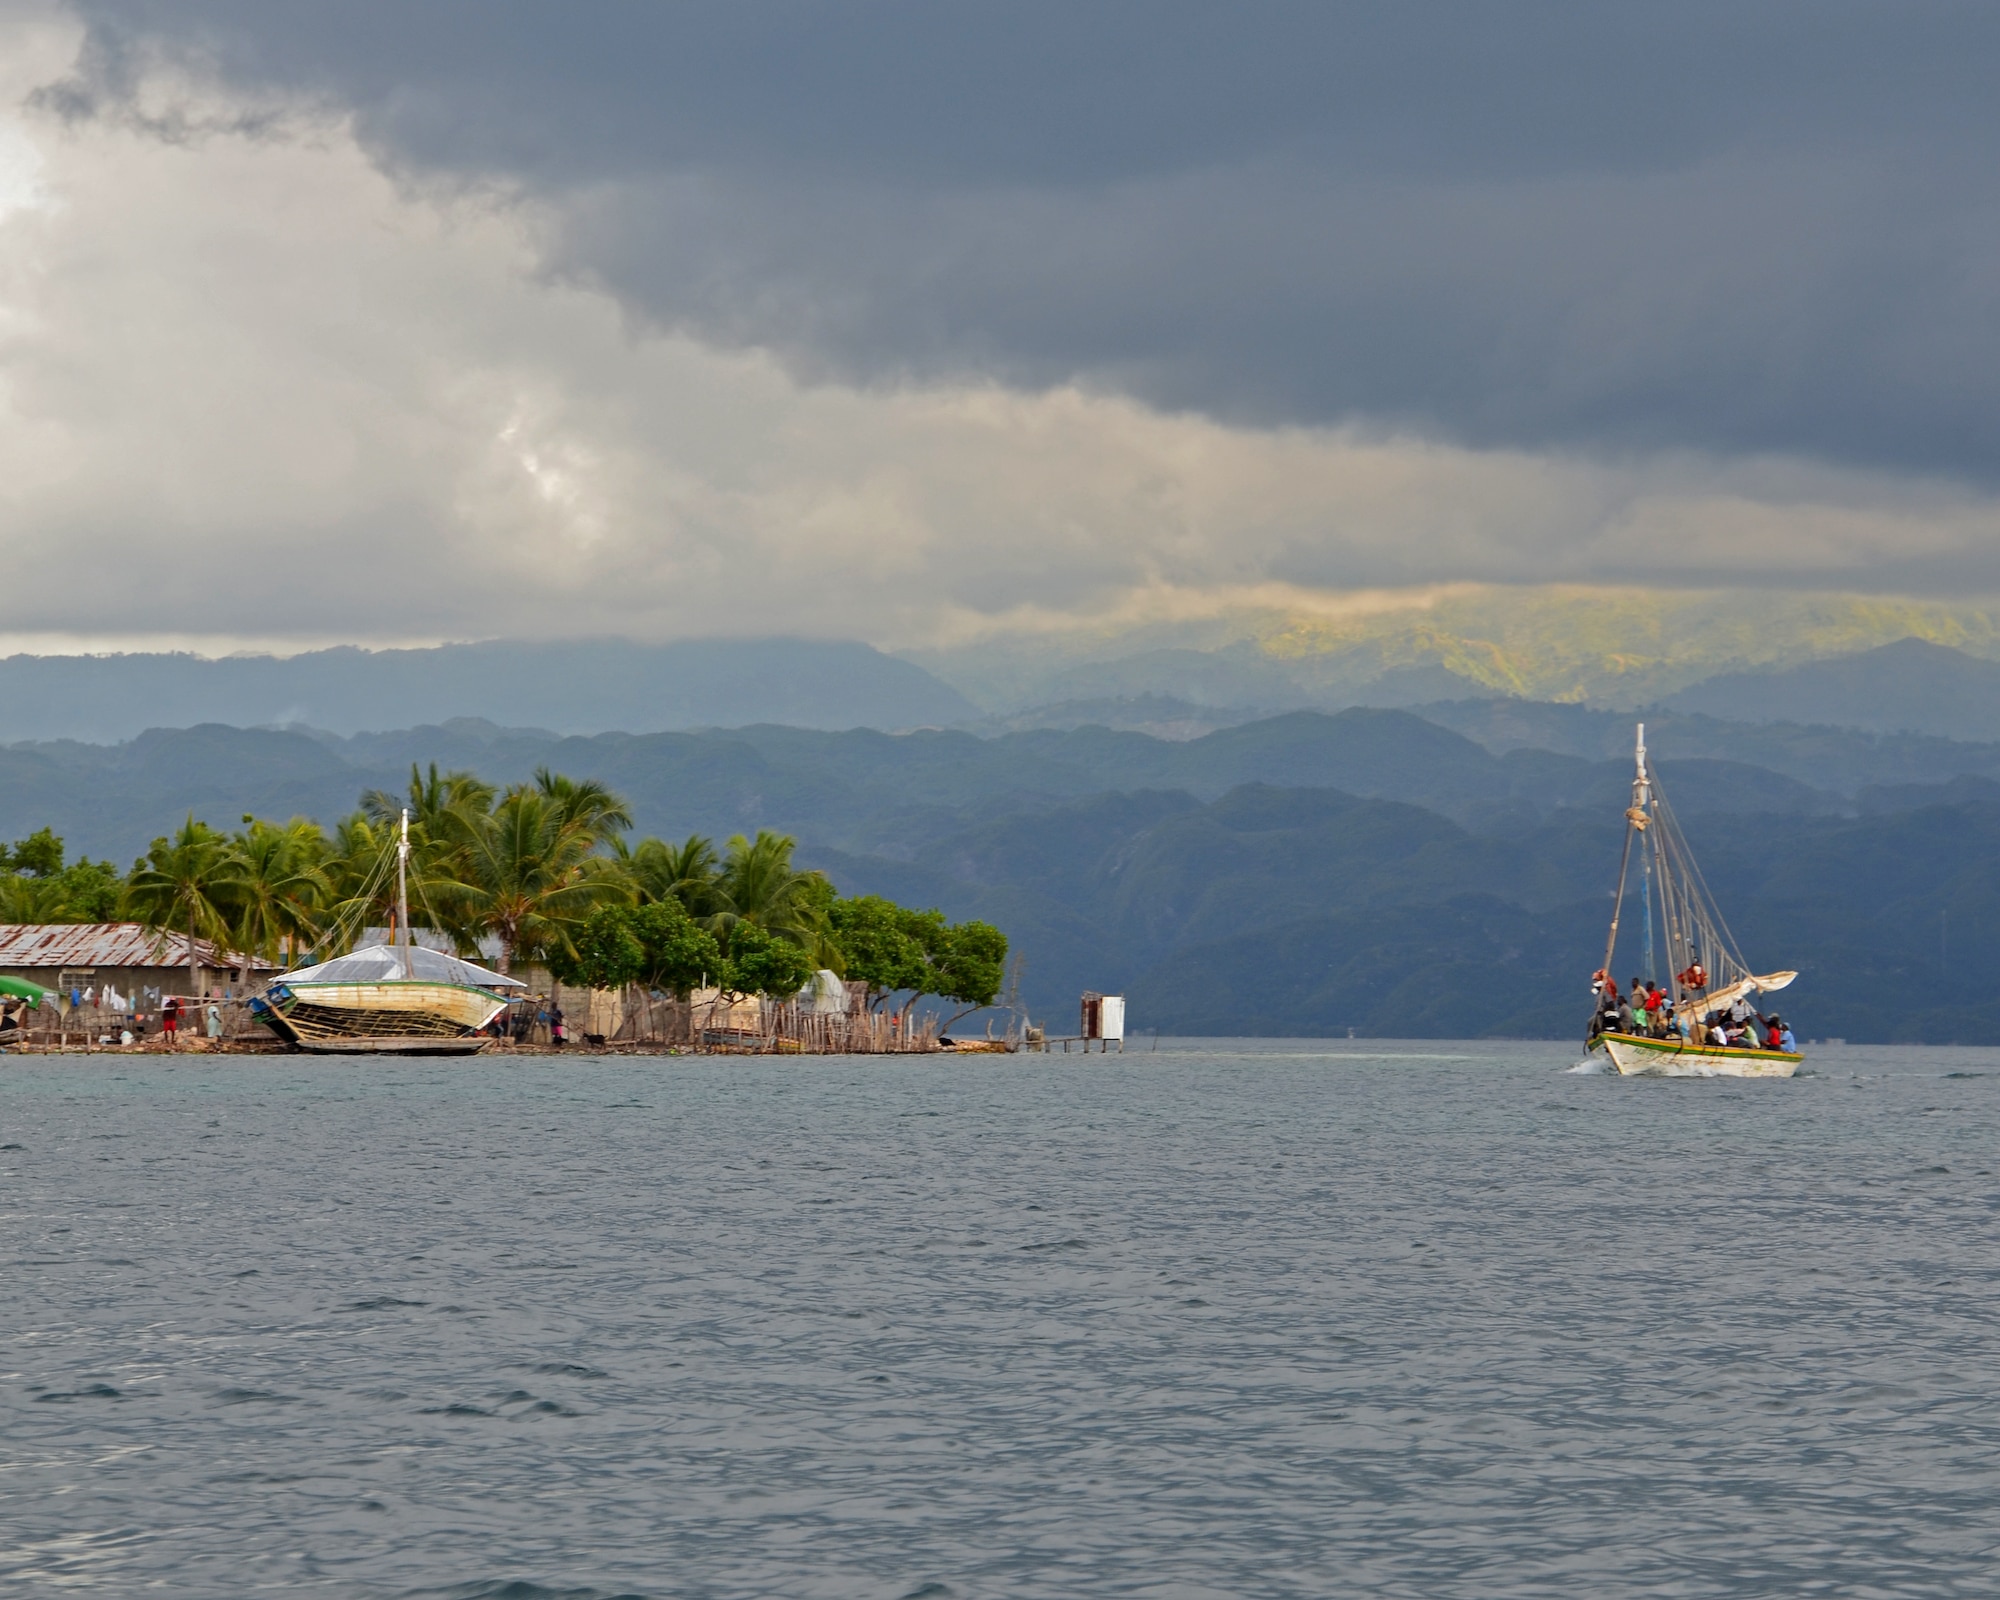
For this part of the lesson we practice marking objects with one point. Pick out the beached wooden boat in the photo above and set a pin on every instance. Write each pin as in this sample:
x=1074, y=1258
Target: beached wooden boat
x=1710, y=975
x=387, y=999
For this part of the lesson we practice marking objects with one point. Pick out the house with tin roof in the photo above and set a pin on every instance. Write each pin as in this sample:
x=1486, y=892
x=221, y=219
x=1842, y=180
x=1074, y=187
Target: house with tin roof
x=71, y=957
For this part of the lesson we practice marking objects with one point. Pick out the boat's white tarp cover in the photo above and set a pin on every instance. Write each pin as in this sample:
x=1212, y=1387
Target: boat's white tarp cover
x=1717, y=999
x=381, y=962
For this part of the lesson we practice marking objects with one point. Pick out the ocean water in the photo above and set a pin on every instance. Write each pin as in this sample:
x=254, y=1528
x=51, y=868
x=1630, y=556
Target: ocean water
x=1220, y=1319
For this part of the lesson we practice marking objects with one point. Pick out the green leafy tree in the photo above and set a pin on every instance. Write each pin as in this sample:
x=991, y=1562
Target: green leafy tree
x=894, y=950
x=37, y=886
x=40, y=855
x=680, y=954
x=877, y=946
x=764, y=963
x=91, y=890
x=969, y=967
x=188, y=882
x=603, y=951
x=658, y=945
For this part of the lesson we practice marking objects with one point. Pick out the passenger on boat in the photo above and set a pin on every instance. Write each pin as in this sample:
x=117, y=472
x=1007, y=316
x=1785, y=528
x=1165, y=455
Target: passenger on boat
x=1786, y=1042
x=1715, y=1033
x=1604, y=1018
x=1773, y=1034
x=1656, y=1004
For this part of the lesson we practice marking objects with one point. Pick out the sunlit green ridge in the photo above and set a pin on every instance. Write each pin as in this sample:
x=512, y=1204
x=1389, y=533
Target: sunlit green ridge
x=1583, y=643
x=1616, y=645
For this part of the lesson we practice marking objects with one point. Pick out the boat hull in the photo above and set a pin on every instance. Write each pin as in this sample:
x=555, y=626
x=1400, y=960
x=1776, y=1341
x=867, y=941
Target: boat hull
x=1636, y=1057
x=388, y=1018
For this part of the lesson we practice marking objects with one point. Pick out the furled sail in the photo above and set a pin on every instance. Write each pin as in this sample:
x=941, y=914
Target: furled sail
x=1765, y=983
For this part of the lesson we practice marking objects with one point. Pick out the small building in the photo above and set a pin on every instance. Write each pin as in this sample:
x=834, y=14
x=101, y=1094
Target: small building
x=1104, y=1018
x=138, y=962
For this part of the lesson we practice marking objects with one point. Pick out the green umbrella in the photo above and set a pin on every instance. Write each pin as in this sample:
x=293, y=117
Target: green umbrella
x=21, y=989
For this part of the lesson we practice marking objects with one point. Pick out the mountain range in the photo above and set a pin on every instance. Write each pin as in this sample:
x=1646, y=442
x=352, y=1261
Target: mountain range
x=1885, y=666
x=578, y=686
x=1378, y=870
x=1910, y=686
x=1281, y=650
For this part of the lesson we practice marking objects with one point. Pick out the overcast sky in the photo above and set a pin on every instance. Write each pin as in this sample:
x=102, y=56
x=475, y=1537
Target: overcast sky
x=455, y=318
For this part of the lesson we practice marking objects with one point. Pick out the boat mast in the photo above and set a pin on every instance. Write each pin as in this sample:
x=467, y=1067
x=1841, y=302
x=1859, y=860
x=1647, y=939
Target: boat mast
x=1643, y=796
x=1635, y=827
x=403, y=894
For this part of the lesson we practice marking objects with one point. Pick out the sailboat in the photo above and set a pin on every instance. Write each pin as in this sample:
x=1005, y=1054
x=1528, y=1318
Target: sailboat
x=387, y=999
x=1711, y=975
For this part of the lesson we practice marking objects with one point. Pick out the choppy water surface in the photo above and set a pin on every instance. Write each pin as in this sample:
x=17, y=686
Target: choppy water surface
x=1239, y=1320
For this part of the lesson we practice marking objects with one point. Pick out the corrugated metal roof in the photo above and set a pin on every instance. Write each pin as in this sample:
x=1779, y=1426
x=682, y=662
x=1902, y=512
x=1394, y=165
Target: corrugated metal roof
x=105, y=944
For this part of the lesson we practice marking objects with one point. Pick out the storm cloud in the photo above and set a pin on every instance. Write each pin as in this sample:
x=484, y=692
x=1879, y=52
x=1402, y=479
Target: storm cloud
x=1734, y=228
x=903, y=322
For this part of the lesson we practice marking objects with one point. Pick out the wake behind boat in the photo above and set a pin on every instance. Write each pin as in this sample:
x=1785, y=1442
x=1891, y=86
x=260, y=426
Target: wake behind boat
x=386, y=999
x=1705, y=1024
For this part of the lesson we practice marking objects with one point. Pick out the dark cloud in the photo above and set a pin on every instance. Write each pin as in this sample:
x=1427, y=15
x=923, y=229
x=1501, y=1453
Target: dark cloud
x=1731, y=227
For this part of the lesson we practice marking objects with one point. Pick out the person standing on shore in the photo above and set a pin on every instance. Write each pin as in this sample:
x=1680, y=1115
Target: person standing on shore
x=170, y=1021
x=558, y=1030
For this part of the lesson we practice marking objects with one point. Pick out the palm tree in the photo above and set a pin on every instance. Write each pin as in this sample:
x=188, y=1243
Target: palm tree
x=27, y=898
x=188, y=883
x=759, y=885
x=660, y=871
x=430, y=797
x=588, y=808
x=525, y=872
x=361, y=891
x=285, y=887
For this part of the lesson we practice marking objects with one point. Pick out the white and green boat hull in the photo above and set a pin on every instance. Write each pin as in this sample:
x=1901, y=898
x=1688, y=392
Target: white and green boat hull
x=1637, y=1057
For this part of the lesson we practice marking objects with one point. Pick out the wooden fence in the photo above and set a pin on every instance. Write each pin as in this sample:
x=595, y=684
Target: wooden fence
x=747, y=1027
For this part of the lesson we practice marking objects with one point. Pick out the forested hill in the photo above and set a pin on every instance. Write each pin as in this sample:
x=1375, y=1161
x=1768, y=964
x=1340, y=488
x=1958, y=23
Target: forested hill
x=1304, y=874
